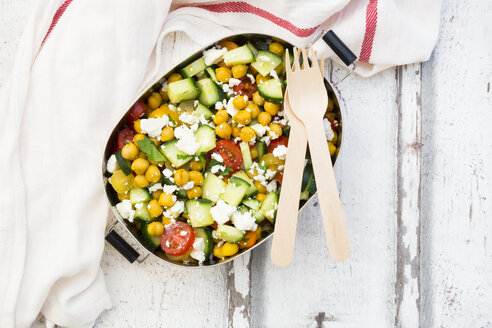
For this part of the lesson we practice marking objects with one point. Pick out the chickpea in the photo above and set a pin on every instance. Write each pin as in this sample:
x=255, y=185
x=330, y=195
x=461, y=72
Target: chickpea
x=129, y=151
x=156, y=141
x=242, y=117
x=140, y=181
x=271, y=108
x=156, y=194
x=223, y=130
x=136, y=126
x=166, y=220
x=253, y=109
x=194, y=192
x=261, y=188
x=240, y=102
x=138, y=137
x=223, y=74
x=155, y=229
x=260, y=78
x=158, y=112
x=275, y=131
x=167, y=200
x=228, y=44
x=261, y=197
x=140, y=165
x=196, y=177
x=238, y=71
x=123, y=196
x=264, y=118
x=174, y=77
x=236, y=131
x=277, y=48
x=221, y=116
x=332, y=148
x=154, y=100
x=155, y=209
x=153, y=174
x=196, y=165
x=230, y=249
x=219, y=251
x=167, y=134
x=247, y=134
x=181, y=177
x=254, y=153
x=258, y=99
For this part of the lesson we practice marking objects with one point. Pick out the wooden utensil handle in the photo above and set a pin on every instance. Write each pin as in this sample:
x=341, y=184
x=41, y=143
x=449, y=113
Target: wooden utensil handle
x=288, y=207
x=329, y=199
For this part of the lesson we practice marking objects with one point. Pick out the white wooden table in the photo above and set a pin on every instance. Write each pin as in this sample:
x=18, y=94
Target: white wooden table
x=416, y=185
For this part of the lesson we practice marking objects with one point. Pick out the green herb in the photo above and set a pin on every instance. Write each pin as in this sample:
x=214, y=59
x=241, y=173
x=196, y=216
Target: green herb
x=179, y=156
x=262, y=165
x=227, y=171
x=148, y=147
x=204, y=162
x=171, y=120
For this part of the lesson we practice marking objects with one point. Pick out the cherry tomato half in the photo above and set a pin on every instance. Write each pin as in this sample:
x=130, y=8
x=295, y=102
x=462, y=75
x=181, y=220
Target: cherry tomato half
x=230, y=152
x=136, y=111
x=284, y=141
x=245, y=87
x=177, y=238
x=125, y=136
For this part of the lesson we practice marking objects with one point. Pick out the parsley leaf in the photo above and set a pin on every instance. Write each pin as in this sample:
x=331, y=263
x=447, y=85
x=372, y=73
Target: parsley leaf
x=179, y=156
x=227, y=171
x=151, y=150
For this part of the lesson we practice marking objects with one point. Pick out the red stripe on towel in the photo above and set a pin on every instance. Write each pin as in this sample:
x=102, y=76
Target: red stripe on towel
x=371, y=23
x=59, y=12
x=243, y=7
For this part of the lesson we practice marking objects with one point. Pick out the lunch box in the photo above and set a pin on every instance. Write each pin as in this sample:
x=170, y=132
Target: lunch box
x=119, y=243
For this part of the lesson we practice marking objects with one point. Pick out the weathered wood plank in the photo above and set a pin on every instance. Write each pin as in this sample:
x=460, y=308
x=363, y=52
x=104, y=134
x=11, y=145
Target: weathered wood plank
x=407, y=286
x=239, y=292
x=456, y=251
x=313, y=290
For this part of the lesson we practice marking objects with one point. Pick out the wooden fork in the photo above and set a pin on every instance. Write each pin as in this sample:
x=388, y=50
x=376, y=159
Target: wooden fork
x=308, y=100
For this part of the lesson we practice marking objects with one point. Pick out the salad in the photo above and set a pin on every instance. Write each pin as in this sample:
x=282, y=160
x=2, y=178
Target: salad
x=197, y=166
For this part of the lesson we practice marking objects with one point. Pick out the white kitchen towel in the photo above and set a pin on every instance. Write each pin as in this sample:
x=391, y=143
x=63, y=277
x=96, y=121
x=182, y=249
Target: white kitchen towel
x=79, y=65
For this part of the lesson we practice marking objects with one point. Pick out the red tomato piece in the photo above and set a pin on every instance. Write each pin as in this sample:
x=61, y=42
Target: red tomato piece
x=125, y=136
x=280, y=178
x=284, y=141
x=136, y=111
x=230, y=152
x=177, y=238
x=335, y=126
x=245, y=87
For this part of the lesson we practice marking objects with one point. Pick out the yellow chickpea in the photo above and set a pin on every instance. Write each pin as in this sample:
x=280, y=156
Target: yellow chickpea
x=275, y=131
x=264, y=118
x=219, y=251
x=153, y=174
x=156, y=194
x=140, y=165
x=240, y=102
x=230, y=249
x=258, y=99
x=223, y=130
x=253, y=109
x=167, y=200
x=166, y=220
x=261, y=188
x=181, y=177
x=223, y=74
x=140, y=181
x=220, y=117
x=174, y=77
x=247, y=134
x=261, y=197
x=138, y=137
x=254, y=153
x=260, y=78
x=276, y=48
x=155, y=229
x=332, y=148
x=196, y=177
x=196, y=165
x=155, y=209
x=242, y=117
x=156, y=141
x=194, y=192
x=271, y=108
x=129, y=151
x=136, y=126
x=236, y=131
x=238, y=71
x=154, y=100
x=167, y=134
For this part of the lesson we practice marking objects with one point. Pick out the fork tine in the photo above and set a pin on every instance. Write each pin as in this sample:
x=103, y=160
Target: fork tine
x=297, y=65
x=288, y=69
x=322, y=64
x=305, y=61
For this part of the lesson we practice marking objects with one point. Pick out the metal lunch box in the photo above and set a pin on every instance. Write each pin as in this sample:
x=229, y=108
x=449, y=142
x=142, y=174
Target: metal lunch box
x=119, y=243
